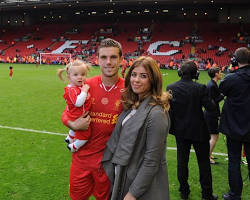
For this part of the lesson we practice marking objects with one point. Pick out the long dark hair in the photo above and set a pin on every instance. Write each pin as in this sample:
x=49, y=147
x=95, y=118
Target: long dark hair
x=131, y=99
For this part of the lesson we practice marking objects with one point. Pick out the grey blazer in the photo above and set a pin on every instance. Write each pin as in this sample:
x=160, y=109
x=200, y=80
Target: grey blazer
x=138, y=149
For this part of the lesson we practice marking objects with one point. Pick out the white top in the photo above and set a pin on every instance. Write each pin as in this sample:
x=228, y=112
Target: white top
x=128, y=116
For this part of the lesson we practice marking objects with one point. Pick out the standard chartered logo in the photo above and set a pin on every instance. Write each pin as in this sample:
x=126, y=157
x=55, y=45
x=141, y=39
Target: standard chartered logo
x=114, y=119
x=103, y=118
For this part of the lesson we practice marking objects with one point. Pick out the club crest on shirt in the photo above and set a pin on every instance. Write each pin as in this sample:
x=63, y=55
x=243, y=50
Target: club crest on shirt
x=104, y=101
x=117, y=104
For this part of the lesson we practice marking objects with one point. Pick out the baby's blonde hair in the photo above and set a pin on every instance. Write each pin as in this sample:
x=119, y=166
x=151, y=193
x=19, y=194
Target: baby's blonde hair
x=77, y=62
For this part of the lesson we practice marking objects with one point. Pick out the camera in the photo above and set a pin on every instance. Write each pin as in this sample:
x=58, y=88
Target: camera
x=234, y=61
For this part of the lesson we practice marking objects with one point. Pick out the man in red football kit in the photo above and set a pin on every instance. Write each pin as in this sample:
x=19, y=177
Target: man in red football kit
x=87, y=176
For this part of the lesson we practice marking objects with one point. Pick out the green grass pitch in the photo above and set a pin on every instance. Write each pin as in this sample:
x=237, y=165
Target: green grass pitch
x=35, y=165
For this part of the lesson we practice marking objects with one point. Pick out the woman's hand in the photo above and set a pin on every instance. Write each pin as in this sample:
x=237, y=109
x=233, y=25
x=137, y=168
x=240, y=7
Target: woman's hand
x=129, y=197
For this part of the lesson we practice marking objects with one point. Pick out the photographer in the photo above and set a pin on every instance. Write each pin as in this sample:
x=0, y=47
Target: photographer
x=189, y=127
x=235, y=120
x=233, y=65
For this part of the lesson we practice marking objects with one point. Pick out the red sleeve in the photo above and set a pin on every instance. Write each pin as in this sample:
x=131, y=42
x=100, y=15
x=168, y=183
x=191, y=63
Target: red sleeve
x=65, y=118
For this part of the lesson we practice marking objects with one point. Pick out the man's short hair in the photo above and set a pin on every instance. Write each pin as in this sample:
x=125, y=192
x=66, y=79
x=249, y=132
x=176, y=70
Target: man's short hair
x=108, y=42
x=212, y=71
x=242, y=55
x=189, y=69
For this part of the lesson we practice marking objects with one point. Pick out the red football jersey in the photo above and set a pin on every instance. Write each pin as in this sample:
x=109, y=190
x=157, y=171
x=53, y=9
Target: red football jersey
x=105, y=108
x=70, y=96
x=72, y=112
x=11, y=72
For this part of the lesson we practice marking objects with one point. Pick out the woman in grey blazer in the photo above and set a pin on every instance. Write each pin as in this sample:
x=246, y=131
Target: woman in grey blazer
x=135, y=156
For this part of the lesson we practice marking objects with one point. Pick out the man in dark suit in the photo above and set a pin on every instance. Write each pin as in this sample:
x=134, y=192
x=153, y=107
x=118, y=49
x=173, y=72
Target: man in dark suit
x=235, y=120
x=189, y=127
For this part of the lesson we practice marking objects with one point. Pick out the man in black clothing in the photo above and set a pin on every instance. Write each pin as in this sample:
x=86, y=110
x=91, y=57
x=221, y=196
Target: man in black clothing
x=189, y=127
x=235, y=120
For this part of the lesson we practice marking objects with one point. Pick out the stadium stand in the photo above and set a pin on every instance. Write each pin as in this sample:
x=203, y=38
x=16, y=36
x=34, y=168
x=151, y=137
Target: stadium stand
x=168, y=41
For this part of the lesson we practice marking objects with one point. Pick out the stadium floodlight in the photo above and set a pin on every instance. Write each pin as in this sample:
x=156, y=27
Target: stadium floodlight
x=50, y=58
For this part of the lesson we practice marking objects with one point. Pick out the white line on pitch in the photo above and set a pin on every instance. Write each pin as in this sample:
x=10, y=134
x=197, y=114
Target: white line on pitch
x=31, y=130
x=52, y=133
x=214, y=153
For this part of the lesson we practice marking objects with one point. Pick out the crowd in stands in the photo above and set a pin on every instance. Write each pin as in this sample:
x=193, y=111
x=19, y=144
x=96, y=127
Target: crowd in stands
x=205, y=53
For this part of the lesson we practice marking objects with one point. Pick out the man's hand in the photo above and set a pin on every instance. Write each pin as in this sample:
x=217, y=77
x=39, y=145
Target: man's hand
x=129, y=196
x=82, y=123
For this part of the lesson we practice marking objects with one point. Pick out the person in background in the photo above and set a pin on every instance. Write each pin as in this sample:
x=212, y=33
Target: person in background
x=189, y=128
x=124, y=66
x=212, y=118
x=135, y=156
x=244, y=159
x=235, y=120
x=87, y=176
x=37, y=61
x=11, y=72
x=77, y=100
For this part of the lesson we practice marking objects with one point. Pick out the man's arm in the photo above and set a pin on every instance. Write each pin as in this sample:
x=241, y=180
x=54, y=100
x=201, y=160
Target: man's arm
x=206, y=101
x=226, y=84
x=82, y=123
